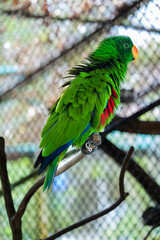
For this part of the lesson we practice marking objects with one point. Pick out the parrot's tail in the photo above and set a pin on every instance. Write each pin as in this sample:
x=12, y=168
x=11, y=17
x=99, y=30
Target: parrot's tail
x=51, y=161
x=45, y=161
x=50, y=174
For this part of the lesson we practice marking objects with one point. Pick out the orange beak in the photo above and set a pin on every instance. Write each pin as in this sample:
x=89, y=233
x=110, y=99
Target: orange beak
x=135, y=53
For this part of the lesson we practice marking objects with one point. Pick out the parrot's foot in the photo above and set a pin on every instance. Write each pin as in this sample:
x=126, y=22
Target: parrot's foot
x=91, y=144
x=95, y=138
x=88, y=147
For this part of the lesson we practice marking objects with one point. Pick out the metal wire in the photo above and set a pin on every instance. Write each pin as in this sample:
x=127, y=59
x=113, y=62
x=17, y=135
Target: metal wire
x=39, y=44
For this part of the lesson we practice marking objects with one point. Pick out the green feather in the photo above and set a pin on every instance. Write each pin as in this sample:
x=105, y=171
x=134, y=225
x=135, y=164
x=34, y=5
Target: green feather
x=95, y=119
x=75, y=103
x=50, y=122
x=81, y=140
x=75, y=112
x=92, y=98
x=50, y=173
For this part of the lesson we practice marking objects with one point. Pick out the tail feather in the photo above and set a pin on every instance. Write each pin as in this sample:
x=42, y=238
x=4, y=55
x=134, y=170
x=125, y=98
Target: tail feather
x=52, y=161
x=50, y=174
x=47, y=160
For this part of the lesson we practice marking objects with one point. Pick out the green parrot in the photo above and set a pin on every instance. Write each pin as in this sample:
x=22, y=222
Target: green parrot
x=87, y=104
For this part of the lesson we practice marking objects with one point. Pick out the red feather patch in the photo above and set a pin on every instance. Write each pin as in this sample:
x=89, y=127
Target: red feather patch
x=103, y=119
x=112, y=103
x=114, y=93
x=106, y=112
x=109, y=106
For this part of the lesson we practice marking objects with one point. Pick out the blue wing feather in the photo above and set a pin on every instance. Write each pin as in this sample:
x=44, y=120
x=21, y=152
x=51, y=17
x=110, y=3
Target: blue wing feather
x=86, y=129
x=45, y=161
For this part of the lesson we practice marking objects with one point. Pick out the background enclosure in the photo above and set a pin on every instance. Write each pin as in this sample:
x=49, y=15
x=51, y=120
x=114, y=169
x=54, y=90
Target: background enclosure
x=40, y=41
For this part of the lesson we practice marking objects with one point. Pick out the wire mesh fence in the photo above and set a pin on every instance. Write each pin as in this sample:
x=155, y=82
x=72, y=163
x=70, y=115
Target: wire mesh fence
x=40, y=41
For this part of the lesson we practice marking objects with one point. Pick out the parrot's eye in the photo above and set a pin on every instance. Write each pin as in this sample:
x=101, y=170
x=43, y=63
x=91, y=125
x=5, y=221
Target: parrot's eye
x=126, y=45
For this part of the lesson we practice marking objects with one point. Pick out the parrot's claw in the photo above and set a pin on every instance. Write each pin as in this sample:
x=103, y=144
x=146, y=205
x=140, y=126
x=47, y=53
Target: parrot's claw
x=91, y=144
x=88, y=147
x=95, y=138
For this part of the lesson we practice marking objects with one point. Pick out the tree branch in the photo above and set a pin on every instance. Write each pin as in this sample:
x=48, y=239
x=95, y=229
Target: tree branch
x=63, y=166
x=115, y=124
x=123, y=195
x=142, y=127
x=34, y=174
x=135, y=126
x=15, y=226
x=5, y=181
x=150, y=186
x=22, y=12
x=15, y=217
x=21, y=181
x=28, y=14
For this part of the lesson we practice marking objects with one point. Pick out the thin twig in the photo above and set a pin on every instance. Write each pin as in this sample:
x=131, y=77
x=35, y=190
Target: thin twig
x=148, y=234
x=147, y=182
x=85, y=221
x=123, y=169
x=123, y=195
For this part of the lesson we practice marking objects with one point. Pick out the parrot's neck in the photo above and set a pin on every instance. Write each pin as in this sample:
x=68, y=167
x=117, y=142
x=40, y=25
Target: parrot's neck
x=115, y=68
x=117, y=72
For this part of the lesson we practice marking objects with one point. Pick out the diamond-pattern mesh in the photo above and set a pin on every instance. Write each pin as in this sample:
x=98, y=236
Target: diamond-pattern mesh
x=37, y=50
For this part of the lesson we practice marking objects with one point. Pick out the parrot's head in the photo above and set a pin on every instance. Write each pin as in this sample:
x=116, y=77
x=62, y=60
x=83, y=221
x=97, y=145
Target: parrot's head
x=120, y=48
x=127, y=52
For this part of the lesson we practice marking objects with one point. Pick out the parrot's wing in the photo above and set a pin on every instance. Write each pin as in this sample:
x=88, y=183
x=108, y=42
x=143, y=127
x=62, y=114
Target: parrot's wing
x=78, y=108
